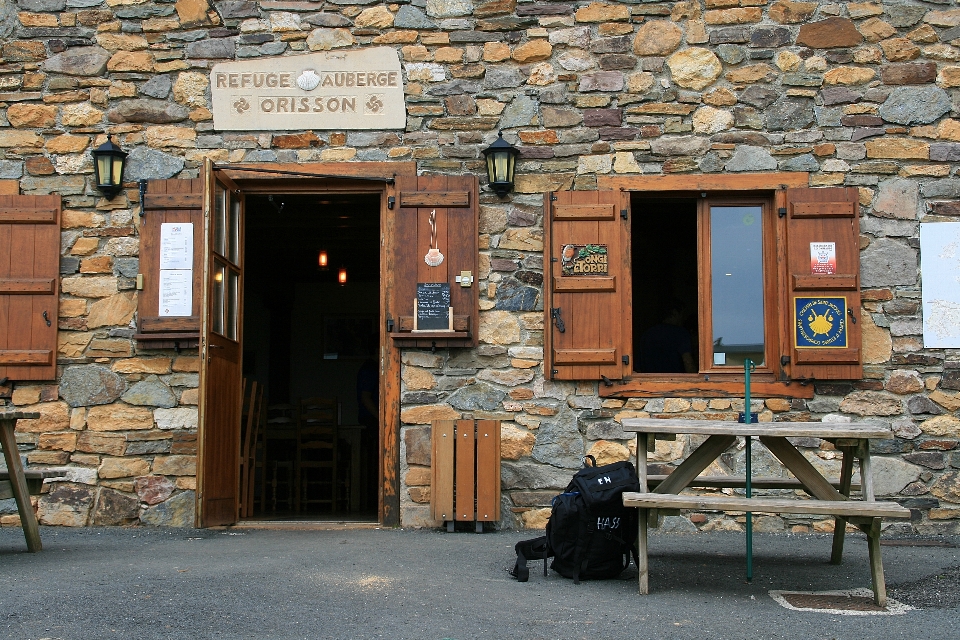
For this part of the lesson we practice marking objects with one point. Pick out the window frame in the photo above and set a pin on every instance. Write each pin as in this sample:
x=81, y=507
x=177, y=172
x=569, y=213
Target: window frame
x=772, y=382
x=770, y=281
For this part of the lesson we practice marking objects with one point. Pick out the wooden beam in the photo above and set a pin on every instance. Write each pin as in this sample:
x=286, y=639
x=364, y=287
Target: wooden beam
x=706, y=182
x=173, y=201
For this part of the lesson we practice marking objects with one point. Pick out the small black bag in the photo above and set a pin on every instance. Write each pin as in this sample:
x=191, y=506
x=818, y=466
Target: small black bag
x=590, y=534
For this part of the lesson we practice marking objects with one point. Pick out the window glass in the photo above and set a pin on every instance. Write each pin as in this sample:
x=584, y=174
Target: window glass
x=219, y=272
x=219, y=220
x=233, y=300
x=234, y=227
x=736, y=253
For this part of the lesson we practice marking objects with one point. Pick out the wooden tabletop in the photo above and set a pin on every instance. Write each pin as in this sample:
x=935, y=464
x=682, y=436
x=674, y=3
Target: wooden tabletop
x=785, y=429
x=18, y=415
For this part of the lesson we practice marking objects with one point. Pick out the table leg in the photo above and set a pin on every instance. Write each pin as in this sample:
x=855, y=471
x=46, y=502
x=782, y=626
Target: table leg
x=643, y=565
x=876, y=564
x=28, y=519
x=866, y=472
x=840, y=523
x=805, y=472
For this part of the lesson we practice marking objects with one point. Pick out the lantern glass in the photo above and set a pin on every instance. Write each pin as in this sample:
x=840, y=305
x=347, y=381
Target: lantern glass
x=342, y=275
x=323, y=259
x=109, y=160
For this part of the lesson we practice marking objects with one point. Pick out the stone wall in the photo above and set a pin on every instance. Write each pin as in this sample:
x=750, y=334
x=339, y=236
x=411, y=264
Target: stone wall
x=858, y=94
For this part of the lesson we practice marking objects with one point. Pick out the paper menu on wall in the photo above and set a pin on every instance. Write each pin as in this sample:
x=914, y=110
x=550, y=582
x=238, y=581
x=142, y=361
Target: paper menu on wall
x=176, y=292
x=823, y=257
x=176, y=245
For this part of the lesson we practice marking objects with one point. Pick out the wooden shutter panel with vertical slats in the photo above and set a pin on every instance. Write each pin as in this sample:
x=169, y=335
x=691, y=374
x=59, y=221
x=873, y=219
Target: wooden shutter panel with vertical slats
x=593, y=310
x=454, y=198
x=29, y=277
x=824, y=216
x=169, y=201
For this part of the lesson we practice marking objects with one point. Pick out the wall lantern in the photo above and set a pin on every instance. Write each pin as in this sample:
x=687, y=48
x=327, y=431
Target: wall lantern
x=342, y=276
x=108, y=164
x=323, y=260
x=501, y=159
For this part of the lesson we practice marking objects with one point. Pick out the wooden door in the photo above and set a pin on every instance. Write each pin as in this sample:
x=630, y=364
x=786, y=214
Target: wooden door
x=221, y=381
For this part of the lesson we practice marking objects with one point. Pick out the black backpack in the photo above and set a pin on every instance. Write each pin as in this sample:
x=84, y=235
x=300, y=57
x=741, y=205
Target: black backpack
x=590, y=534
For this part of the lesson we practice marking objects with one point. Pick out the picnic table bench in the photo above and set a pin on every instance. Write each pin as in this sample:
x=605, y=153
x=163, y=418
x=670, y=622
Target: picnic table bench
x=830, y=498
x=16, y=482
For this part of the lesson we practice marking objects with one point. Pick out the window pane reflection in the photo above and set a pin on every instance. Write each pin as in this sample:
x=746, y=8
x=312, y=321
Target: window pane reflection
x=219, y=271
x=234, y=254
x=233, y=300
x=736, y=252
x=219, y=220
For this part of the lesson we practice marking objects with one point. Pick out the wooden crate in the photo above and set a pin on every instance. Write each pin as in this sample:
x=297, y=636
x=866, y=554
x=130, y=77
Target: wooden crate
x=465, y=476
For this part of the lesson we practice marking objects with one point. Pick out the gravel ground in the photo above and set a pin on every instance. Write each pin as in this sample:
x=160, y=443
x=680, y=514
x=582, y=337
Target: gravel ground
x=163, y=583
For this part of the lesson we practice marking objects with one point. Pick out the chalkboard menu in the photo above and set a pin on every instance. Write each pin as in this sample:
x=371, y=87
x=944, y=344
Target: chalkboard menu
x=433, y=306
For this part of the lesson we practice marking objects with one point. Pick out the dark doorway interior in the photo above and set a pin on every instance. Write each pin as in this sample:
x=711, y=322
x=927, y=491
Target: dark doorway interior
x=665, y=284
x=312, y=342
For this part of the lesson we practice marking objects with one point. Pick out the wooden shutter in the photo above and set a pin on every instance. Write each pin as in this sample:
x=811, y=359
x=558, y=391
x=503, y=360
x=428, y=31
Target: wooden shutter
x=29, y=286
x=594, y=311
x=169, y=201
x=823, y=216
x=454, y=198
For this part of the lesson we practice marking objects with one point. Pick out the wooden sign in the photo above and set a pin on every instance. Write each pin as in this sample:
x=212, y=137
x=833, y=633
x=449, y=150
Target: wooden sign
x=584, y=260
x=432, y=307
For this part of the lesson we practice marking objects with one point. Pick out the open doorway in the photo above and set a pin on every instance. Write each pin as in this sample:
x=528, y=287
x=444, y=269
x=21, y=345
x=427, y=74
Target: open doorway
x=310, y=341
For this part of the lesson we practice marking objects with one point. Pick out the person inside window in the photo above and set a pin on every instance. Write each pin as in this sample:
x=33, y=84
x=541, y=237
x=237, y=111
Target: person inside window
x=665, y=347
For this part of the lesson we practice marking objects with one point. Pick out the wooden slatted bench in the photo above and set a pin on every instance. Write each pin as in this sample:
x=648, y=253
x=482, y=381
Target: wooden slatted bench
x=34, y=478
x=863, y=514
x=740, y=482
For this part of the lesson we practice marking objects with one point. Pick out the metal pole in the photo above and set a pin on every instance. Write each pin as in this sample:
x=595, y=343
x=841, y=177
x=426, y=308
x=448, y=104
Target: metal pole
x=747, y=366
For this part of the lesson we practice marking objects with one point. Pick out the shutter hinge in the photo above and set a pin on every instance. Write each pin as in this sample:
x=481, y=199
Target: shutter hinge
x=625, y=359
x=389, y=325
x=784, y=361
x=607, y=382
x=623, y=213
x=553, y=197
x=782, y=212
x=391, y=201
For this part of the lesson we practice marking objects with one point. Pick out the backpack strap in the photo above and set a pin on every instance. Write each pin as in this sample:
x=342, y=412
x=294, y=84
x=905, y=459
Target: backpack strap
x=533, y=549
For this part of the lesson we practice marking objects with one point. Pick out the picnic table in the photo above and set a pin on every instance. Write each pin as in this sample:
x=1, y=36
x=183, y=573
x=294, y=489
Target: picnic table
x=829, y=497
x=19, y=483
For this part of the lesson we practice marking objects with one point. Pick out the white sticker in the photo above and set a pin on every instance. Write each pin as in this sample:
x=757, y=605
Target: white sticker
x=176, y=292
x=720, y=358
x=176, y=245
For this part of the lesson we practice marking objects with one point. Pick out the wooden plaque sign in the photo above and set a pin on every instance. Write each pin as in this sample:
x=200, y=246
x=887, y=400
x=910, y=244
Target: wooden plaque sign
x=584, y=260
x=433, y=310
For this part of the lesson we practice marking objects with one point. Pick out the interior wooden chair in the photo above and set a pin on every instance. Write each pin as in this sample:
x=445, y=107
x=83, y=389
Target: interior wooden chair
x=317, y=452
x=279, y=455
x=249, y=432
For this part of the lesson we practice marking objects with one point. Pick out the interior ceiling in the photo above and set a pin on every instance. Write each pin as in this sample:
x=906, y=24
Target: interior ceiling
x=285, y=232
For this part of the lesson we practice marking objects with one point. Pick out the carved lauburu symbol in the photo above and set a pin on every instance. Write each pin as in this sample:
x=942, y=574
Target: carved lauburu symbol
x=241, y=105
x=308, y=80
x=374, y=104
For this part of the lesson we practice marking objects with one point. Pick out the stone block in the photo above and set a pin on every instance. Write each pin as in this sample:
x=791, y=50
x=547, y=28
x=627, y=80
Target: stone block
x=175, y=465
x=119, y=417
x=123, y=467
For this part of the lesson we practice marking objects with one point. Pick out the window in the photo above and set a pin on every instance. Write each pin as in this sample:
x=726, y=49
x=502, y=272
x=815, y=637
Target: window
x=226, y=262
x=702, y=271
x=698, y=275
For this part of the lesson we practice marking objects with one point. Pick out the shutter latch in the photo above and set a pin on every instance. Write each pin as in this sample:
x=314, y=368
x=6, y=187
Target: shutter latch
x=557, y=320
x=782, y=212
x=853, y=316
x=143, y=192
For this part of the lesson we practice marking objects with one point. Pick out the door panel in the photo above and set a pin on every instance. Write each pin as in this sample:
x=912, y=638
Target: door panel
x=221, y=380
